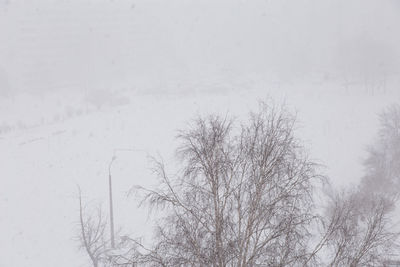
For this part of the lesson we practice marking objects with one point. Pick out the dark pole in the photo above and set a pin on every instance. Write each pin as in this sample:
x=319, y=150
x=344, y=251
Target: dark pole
x=111, y=204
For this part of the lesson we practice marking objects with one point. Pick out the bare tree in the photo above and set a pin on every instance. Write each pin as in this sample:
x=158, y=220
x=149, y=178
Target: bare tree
x=243, y=197
x=92, y=233
x=382, y=165
x=359, y=230
x=126, y=254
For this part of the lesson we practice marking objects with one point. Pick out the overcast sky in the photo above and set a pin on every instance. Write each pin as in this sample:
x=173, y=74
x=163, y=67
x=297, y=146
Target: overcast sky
x=85, y=44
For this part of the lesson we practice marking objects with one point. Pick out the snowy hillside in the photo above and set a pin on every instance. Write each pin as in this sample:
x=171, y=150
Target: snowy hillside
x=83, y=80
x=38, y=189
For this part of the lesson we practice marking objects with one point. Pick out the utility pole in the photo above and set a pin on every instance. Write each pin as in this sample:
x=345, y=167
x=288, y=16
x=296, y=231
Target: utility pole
x=112, y=234
x=111, y=204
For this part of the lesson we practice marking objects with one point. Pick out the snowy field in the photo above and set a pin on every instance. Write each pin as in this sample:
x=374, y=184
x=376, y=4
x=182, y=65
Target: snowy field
x=81, y=81
x=42, y=165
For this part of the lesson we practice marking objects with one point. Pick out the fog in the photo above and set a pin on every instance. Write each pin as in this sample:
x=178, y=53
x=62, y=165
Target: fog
x=82, y=79
x=88, y=45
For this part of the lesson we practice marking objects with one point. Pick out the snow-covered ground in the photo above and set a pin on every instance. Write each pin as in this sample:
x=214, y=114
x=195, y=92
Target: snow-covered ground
x=82, y=80
x=42, y=165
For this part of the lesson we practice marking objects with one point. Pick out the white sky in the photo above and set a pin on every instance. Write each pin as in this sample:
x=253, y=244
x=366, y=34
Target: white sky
x=71, y=44
x=154, y=64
